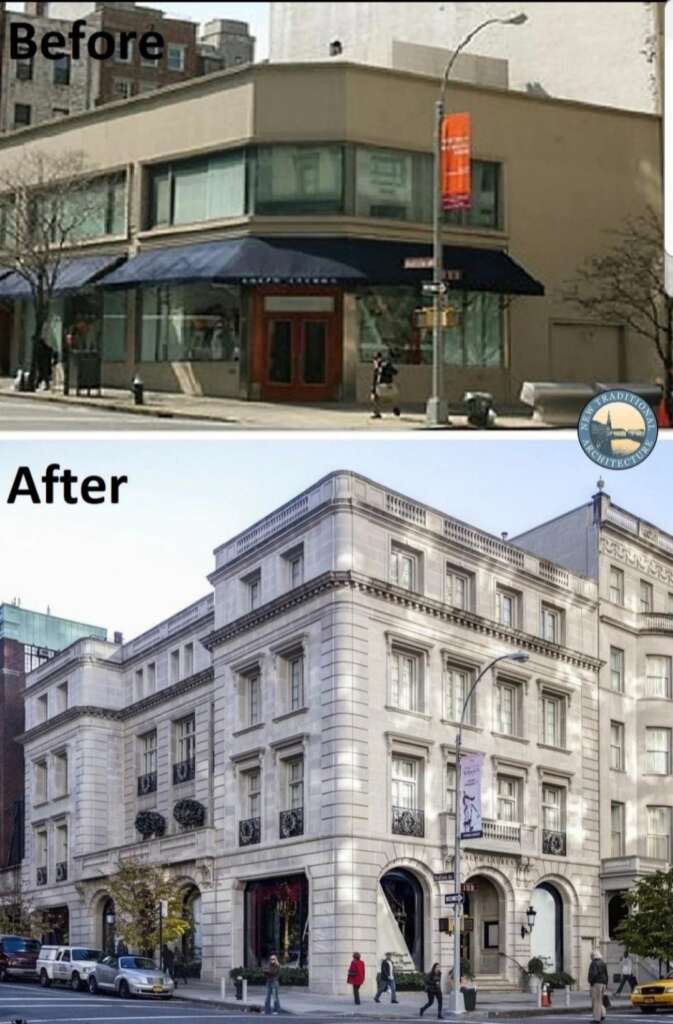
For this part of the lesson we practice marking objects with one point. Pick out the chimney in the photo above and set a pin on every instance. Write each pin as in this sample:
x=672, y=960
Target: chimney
x=118, y=638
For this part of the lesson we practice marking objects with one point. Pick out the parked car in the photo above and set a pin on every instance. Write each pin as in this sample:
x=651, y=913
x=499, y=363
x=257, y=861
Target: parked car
x=18, y=957
x=654, y=995
x=70, y=965
x=130, y=976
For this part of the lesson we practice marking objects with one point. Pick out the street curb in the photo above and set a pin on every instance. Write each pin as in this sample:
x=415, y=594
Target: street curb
x=132, y=410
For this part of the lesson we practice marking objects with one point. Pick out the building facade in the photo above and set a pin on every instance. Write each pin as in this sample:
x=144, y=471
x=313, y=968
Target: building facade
x=632, y=563
x=266, y=249
x=593, y=58
x=285, y=747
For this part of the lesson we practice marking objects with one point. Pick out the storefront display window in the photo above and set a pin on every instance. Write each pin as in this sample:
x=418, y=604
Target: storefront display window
x=190, y=323
x=115, y=312
x=477, y=339
x=386, y=324
x=276, y=921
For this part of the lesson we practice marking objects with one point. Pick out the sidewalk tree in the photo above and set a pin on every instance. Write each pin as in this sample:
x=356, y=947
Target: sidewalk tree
x=625, y=285
x=48, y=204
x=647, y=931
x=19, y=917
x=137, y=891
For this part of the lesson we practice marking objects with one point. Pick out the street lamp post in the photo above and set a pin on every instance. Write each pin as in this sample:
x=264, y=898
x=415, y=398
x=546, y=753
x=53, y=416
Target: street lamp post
x=457, y=1001
x=437, y=412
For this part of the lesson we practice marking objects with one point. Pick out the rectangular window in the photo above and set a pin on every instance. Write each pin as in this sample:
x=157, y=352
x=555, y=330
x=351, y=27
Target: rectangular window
x=458, y=588
x=294, y=560
x=188, y=655
x=148, y=746
x=646, y=596
x=61, y=844
x=507, y=607
x=552, y=809
x=405, y=783
x=404, y=565
x=553, y=709
x=253, y=699
x=616, y=829
x=175, y=57
x=186, y=739
x=507, y=708
x=457, y=684
x=617, y=745
x=295, y=680
x=24, y=70
x=617, y=669
x=22, y=115
x=60, y=774
x=253, y=793
x=405, y=681
x=299, y=180
x=40, y=776
x=451, y=788
x=61, y=696
x=62, y=70
x=295, y=783
x=658, y=672
x=124, y=56
x=175, y=666
x=616, y=585
x=508, y=809
x=139, y=685
x=122, y=88
x=42, y=708
x=551, y=624
x=151, y=677
x=208, y=188
x=658, y=751
x=392, y=184
x=41, y=849
x=34, y=656
x=254, y=590
x=659, y=833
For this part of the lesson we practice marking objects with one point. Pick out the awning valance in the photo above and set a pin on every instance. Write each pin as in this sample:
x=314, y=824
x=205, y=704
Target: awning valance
x=320, y=261
x=72, y=274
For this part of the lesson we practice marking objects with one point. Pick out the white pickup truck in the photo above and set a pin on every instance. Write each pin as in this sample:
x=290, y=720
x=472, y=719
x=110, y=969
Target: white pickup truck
x=70, y=965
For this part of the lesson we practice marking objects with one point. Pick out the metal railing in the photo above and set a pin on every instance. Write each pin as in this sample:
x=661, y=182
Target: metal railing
x=554, y=842
x=249, y=831
x=408, y=822
x=41, y=876
x=291, y=823
x=62, y=871
x=147, y=783
x=183, y=771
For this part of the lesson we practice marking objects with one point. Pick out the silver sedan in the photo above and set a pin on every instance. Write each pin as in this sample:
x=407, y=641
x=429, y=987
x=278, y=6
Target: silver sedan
x=130, y=976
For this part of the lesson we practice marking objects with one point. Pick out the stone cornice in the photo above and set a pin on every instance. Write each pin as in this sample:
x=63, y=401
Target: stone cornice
x=340, y=580
x=64, y=667
x=118, y=714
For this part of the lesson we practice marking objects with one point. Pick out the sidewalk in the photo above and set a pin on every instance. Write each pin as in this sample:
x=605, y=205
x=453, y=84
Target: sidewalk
x=295, y=1000
x=235, y=414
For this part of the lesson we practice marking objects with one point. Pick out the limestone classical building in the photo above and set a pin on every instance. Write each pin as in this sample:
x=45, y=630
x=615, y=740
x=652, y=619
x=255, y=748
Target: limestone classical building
x=285, y=747
x=631, y=561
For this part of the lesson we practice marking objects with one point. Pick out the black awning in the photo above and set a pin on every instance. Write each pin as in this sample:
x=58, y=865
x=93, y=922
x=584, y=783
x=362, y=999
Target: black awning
x=280, y=260
x=72, y=275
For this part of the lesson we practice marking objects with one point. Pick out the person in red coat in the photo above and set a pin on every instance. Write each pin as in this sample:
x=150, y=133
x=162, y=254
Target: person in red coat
x=356, y=976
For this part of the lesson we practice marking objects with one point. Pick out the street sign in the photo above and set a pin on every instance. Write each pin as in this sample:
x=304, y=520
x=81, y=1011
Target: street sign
x=419, y=263
x=452, y=898
x=444, y=876
x=434, y=287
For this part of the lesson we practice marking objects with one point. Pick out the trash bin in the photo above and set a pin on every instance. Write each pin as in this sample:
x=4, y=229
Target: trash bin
x=238, y=986
x=480, y=411
x=85, y=371
x=470, y=996
x=138, y=389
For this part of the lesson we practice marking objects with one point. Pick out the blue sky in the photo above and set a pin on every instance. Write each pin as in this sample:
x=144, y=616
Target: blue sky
x=257, y=16
x=127, y=566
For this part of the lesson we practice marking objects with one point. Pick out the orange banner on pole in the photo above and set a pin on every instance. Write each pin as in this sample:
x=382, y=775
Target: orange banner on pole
x=456, y=160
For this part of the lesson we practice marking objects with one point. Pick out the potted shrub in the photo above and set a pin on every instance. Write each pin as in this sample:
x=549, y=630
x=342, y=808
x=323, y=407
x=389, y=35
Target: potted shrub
x=535, y=973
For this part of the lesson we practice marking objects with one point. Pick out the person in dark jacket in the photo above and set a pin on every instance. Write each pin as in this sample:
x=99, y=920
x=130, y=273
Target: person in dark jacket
x=598, y=983
x=384, y=388
x=433, y=988
x=386, y=980
x=272, y=973
x=44, y=361
x=356, y=976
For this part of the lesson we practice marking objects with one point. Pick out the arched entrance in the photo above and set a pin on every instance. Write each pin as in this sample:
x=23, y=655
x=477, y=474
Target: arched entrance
x=107, y=926
x=192, y=941
x=483, y=936
x=401, y=916
x=546, y=940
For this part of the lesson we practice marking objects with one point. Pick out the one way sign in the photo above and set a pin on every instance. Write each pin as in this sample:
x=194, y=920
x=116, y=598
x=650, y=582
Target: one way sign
x=452, y=898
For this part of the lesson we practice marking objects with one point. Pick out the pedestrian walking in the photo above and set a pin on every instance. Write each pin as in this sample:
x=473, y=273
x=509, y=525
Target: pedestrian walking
x=384, y=389
x=626, y=973
x=433, y=988
x=45, y=358
x=272, y=972
x=356, y=976
x=386, y=980
x=598, y=983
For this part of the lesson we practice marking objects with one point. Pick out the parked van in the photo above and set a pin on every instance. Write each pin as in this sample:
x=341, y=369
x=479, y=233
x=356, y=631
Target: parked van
x=70, y=965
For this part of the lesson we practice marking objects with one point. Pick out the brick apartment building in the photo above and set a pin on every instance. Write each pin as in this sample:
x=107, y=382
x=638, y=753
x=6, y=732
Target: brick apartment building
x=33, y=91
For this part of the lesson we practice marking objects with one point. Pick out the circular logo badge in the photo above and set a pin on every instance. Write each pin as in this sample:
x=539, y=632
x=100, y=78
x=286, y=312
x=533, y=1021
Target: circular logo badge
x=617, y=429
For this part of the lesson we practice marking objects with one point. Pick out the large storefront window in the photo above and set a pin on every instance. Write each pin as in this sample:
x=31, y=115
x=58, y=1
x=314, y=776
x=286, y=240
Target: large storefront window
x=276, y=921
x=386, y=324
x=477, y=339
x=190, y=322
x=393, y=184
x=115, y=311
x=79, y=314
x=209, y=188
x=299, y=180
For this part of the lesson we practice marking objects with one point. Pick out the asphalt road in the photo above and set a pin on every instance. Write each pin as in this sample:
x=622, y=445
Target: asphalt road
x=25, y=415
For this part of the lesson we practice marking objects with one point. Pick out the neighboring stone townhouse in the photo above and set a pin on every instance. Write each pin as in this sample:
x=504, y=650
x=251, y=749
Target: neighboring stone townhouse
x=285, y=747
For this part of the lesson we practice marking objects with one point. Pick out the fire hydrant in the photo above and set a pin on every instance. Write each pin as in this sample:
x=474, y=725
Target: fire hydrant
x=138, y=389
x=546, y=995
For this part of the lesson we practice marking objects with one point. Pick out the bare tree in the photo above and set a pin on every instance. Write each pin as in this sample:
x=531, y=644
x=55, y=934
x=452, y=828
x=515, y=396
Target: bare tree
x=48, y=204
x=625, y=285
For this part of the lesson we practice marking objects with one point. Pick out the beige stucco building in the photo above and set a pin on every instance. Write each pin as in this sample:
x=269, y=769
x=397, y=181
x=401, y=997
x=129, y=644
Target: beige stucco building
x=265, y=216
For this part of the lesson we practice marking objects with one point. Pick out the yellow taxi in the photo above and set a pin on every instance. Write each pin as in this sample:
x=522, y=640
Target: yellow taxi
x=654, y=995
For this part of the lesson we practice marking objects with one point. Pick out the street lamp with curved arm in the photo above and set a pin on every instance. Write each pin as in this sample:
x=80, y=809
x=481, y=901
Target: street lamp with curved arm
x=437, y=409
x=457, y=1001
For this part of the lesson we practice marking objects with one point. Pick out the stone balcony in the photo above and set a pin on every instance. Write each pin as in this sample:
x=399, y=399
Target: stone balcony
x=499, y=837
x=194, y=844
x=655, y=622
